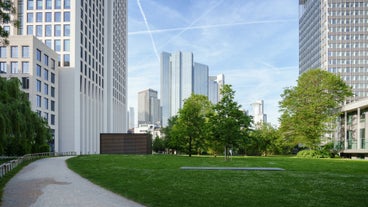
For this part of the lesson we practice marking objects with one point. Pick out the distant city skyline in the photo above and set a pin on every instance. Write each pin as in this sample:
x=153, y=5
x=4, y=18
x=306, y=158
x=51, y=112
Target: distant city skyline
x=253, y=43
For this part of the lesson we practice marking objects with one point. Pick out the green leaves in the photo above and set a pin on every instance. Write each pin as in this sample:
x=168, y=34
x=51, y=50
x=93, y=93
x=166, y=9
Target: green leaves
x=308, y=107
x=22, y=131
x=203, y=127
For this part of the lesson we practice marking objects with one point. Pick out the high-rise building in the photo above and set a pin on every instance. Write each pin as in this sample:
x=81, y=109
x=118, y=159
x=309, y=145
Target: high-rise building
x=90, y=39
x=212, y=89
x=131, y=118
x=259, y=117
x=180, y=77
x=333, y=37
x=215, y=85
x=220, y=82
x=34, y=64
x=148, y=107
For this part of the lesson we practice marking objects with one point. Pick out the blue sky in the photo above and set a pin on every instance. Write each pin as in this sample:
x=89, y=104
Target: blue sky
x=254, y=43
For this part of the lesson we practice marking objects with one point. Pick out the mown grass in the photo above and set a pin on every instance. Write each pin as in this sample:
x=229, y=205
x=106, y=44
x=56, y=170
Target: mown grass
x=158, y=181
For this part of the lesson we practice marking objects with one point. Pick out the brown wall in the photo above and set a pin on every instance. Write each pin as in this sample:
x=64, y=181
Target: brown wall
x=125, y=143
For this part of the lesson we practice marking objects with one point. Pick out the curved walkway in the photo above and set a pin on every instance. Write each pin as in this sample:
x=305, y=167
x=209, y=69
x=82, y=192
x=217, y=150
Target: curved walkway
x=49, y=182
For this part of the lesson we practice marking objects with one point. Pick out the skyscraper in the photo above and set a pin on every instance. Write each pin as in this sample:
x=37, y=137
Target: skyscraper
x=148, y=107
x=90, y=39
x=259, y=117
x=333, y=37
x=181, y=77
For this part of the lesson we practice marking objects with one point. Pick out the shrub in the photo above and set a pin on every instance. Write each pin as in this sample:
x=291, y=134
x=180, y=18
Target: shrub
x=314, y=154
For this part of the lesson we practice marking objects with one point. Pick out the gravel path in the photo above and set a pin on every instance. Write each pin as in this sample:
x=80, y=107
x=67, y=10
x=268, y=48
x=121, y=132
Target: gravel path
x=49, y=182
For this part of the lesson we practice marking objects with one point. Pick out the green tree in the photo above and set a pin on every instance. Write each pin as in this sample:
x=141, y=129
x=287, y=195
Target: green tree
x=171, y=135
x=191, y=123
x=308, y=108
x=265, y=140
x=158, y=145
x=229, y=124
x=7, y=11
x=22, y=131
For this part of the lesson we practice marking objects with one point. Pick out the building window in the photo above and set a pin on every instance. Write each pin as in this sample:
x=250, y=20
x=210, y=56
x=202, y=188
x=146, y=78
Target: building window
x=48, y=30
x=6, y=29
x=3, y=67
x=57, y=45
x=14, y=67
x=3, y=52
x=39, y=30
x=57, y=4
x=48, y=17
x=66, y=60
x=38, y=101
x=38, y=70
x=38, y=86
x=66, y=16
x=38, y=55
x=25, y=51
x=25, y=67
x=52, y=105
x=39, y=17
x=52, y=77
x=48, y=4
x=48, y=43
x=57, y=17
x=52, y=64
x=52, y=92
x=30, y=4
x=39, y=4
x=66, y=30
x=25, y=83
x=67, y=45
x=46, y=89
x=46, y=59
x=52, y=122
x=29, y=30
x=45, y=74
x=66, y=4
x=57, y=30
x=14, y=51
x=46, y=103
x=46, y=116
x=29, y=17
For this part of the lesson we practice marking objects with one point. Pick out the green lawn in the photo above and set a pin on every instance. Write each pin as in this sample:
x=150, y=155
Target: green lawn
x=156, y=180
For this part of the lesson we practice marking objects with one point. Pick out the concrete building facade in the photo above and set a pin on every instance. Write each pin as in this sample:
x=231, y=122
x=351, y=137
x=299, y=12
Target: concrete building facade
x=352, y=130
x=333, y=37
x=34, y=64
x=90, y=38
x=259, y=116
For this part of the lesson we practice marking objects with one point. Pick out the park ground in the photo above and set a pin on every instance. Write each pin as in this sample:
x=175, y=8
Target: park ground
x=157, y=180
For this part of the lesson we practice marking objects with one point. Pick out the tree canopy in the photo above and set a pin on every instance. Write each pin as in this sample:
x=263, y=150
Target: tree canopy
x=308, y=108
x=229, y=124
x=7, y=9
x=22, y=131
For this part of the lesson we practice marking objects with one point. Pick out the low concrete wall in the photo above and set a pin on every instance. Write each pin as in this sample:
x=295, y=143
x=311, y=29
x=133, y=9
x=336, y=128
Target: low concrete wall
x=119, y=143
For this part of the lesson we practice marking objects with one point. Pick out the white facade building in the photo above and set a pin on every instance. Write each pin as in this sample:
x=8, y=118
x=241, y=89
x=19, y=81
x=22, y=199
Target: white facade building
x=333, y=37
x=34, y=64
x=90, y=39
x=259, y=117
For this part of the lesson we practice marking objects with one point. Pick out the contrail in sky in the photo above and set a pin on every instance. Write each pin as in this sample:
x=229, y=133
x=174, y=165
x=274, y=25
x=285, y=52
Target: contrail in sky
x=191, y=24
x=148, y=30
x=211, y=26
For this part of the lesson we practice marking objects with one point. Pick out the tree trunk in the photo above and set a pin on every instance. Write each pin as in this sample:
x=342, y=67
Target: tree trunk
x=190, y=146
